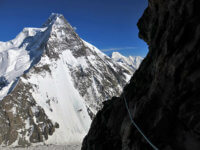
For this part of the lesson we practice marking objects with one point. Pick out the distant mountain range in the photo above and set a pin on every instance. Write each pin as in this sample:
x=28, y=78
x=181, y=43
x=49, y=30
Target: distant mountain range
x=130, y=61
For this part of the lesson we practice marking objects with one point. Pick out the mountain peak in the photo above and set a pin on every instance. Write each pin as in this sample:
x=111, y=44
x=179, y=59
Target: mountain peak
x=54, y=54
x=116, y=55
x=133, y=61
x=54, y=17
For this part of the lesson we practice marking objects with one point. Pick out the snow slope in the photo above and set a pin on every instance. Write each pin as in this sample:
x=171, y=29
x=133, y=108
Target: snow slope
x=17, y=56
x=62, y=103
x=48, y=147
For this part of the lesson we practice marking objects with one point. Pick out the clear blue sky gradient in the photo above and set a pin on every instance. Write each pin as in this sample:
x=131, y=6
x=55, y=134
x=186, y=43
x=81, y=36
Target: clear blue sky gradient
x=110, y=25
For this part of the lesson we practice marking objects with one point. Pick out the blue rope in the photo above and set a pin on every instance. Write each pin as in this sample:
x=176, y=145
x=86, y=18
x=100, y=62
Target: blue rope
x=136, y=126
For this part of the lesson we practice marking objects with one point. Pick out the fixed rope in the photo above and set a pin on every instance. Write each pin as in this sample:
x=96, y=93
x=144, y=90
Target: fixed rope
x=136, y=126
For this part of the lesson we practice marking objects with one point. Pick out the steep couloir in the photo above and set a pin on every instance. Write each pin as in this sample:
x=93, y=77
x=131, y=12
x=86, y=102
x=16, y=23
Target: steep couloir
x=163, y=96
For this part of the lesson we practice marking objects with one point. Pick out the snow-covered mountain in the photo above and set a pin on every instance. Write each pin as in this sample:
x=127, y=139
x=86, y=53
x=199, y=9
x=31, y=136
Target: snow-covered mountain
x=52, y=83
x=132, y=61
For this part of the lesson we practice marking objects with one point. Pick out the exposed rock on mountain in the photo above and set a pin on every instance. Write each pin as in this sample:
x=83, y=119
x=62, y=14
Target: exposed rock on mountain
x=52, y=83
x=163, y=95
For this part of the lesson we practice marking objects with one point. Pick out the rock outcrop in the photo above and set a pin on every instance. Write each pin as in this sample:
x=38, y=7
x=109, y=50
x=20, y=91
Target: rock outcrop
x=22, y=119
x=164, y=93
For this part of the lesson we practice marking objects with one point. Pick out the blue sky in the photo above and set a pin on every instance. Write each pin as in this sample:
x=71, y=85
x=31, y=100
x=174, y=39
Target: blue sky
x=110, y=25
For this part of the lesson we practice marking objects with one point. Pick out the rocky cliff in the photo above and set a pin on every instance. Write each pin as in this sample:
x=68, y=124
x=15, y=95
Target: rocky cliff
x=164, y=94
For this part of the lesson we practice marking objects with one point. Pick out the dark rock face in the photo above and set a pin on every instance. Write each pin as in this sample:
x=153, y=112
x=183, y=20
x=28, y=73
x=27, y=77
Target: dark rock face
x=164, y=94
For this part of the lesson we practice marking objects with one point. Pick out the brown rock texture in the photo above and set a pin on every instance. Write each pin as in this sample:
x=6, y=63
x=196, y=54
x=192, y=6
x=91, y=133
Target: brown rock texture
x=22, y=120
x=164, y=93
